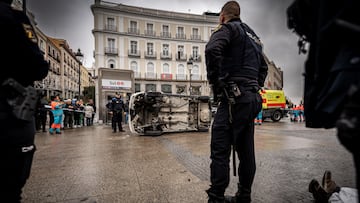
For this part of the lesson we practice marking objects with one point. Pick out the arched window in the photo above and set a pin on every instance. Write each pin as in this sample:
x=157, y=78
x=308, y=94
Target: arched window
x=166, y=68
x=150, y=70
x=181, y=72
x=134, y=67
x=195, y=73
x=111, y=63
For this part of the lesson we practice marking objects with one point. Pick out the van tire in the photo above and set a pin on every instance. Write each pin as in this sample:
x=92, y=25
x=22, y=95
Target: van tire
x=276, y=116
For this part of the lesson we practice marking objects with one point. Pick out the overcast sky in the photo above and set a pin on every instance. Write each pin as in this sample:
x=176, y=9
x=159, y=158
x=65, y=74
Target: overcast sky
x=73, y=21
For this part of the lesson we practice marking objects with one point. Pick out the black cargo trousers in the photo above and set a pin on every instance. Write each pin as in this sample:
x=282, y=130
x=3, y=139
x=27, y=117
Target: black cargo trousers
x=16, y=155
x=240, y=131
x=116, y=120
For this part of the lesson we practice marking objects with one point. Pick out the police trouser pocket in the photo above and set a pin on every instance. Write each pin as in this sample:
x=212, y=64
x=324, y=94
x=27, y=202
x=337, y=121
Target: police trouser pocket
x=26, y=156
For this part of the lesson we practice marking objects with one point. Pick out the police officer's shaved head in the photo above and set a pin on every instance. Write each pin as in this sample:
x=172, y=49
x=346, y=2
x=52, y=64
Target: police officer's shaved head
x=231, y=10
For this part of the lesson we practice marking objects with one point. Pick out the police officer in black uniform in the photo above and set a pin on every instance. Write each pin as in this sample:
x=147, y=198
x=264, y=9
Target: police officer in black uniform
x=17, y=147
x=237, y=70
x=116, y=106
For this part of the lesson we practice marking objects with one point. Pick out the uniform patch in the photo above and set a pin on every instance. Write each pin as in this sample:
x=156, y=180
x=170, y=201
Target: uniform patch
x=30, y=32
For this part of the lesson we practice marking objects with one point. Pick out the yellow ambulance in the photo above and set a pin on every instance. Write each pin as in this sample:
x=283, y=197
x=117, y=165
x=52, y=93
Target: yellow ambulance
x=273, y=104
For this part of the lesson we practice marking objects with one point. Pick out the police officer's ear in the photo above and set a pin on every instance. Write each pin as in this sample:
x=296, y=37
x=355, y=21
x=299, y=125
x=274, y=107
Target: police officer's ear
x=221, y=18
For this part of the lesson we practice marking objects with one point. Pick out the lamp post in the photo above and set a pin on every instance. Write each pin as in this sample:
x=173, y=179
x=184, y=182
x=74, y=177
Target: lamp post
x=189, y=64
x=79, y=57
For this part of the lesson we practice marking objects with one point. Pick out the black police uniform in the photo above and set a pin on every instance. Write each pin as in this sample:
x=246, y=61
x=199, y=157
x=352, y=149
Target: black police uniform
x=116, y=106
x=233, y=56
x=332, y=69
x=17, y=39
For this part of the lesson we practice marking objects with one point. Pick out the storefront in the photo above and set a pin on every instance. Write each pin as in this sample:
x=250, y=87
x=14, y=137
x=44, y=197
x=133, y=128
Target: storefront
x=110, y=82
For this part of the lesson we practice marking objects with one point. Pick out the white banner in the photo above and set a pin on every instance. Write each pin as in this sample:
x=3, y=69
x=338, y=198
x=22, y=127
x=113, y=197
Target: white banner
x=115, y=84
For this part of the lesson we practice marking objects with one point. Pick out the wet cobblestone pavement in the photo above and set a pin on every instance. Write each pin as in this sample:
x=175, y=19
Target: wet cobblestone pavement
x=92, y=164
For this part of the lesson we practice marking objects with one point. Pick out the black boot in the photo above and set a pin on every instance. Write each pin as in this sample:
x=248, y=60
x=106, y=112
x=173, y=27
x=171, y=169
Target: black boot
x=243, y=195
x=318, y=192
x=213, y=198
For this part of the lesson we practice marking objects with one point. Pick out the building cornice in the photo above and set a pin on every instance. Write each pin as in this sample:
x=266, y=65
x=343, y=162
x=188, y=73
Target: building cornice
x=146, y=37
x=153, y=13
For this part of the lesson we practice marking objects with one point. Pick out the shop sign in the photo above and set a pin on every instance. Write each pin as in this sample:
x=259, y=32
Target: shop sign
x=115, y=84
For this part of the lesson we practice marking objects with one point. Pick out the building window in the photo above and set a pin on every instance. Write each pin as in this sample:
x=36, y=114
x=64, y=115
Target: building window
x=166, y=68
x=111, y=43
x=111, y=63
x=150, y=87
x=165, y=31
x=110, y=24
x=180, y=33
x=181, y=72
x=150, y=29
x=165, y=50
x=150, y=72
x=133, y=47
x=110, y=49
x=134, y=67
x=195, y=74
x=195, y=34
x=195, y=52
x=150, y=49
x=166, y=88
x=137, y=87
x=133, y=27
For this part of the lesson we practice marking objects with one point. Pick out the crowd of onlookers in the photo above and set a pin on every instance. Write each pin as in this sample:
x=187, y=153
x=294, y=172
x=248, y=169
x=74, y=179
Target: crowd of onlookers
x=67, y=113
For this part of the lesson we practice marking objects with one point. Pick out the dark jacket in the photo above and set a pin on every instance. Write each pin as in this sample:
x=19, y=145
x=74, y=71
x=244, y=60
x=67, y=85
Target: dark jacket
x=117, y=105
x=18, y=39
x=332, y=28
x=230, y=51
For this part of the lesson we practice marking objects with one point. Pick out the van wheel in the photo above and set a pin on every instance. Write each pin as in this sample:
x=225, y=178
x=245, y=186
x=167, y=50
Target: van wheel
x=276, y=116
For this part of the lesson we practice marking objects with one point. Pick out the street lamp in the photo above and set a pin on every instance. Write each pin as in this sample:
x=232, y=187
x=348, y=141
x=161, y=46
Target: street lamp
x=79, y=57
x=189, y=64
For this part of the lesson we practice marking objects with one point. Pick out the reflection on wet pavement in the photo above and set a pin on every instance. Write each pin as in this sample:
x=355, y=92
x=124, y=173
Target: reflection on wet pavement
x=95, y=165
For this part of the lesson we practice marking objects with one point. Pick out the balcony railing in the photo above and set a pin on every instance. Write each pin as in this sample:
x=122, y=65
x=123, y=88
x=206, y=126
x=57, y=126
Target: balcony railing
x=196, y=58
x=134, y=53
x=166, y=76
x=181, y=76
x=110, y=27
x=149, y=32
x=195, y=77
x=137, y=75
x=151, y=55
x=180, y=36
x=166, y=56
x=195, y=37
x=181, y=57
x=165, y=34
x=133, y=30
x=150, y=75
x=111, y=50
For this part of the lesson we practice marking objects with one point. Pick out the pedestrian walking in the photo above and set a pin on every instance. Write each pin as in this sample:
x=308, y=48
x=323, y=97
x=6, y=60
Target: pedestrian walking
x=17, y=129
x=237, y=70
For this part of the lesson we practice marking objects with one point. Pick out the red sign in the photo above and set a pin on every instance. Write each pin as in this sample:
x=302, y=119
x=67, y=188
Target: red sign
x=166, y=76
